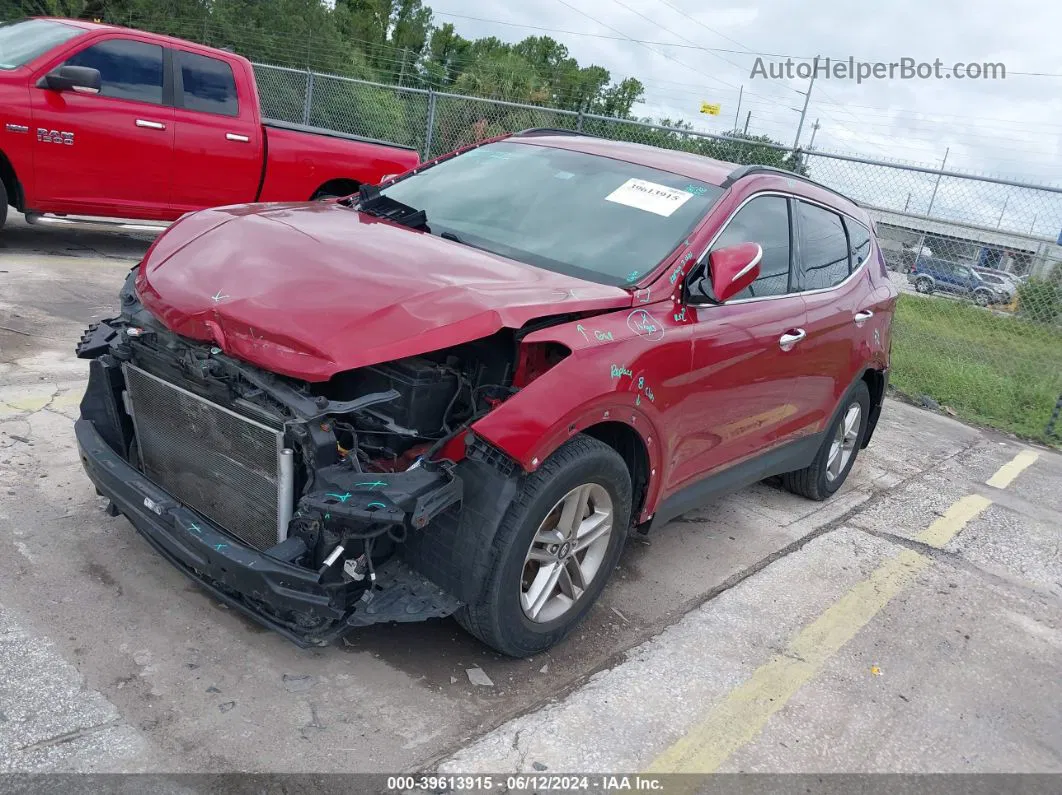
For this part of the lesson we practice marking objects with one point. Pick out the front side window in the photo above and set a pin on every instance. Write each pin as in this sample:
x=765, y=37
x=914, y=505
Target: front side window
x=596, y=218
x=21, y=42
x=764, y=220
x=128, y=69
x=209, y=86
x=823, y=247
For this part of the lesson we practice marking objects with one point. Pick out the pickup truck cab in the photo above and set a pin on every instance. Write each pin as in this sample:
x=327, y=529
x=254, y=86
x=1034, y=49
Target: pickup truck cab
x=106, y=121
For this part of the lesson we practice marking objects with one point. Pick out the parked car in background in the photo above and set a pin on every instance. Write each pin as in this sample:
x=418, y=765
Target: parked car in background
x=931, y=274
x=106, y=121
x=462, y=400
x=999, y=281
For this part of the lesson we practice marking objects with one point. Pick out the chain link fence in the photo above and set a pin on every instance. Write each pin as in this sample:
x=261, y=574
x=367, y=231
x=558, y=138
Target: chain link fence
x=978, y=331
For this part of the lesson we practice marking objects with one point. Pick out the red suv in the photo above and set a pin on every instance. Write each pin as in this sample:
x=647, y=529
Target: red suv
x=457, y=393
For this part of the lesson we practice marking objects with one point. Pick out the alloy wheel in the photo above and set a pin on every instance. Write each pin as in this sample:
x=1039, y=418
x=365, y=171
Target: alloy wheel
x=566, y=553
x=843, y=445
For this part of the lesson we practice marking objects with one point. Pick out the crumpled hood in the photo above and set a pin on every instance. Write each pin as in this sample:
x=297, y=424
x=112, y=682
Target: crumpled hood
x=311, y=290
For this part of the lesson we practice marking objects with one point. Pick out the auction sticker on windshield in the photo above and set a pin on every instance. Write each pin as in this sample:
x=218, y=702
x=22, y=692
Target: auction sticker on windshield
x=649, y=196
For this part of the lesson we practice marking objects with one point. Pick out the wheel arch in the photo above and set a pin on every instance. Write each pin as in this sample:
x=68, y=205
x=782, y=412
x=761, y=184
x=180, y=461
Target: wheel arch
x=341, y=186
x=11, y=182
x=876, y=381
x=626, y=441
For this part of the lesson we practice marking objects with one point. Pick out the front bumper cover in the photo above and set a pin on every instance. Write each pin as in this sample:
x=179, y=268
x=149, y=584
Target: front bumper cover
x=285, y=598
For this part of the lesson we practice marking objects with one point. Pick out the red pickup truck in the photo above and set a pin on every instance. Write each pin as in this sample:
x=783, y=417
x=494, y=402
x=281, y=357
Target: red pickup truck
x=107, y=121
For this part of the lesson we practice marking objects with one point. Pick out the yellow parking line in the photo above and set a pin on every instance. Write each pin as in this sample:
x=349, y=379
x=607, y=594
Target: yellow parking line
x=1010, y=470
x=741, y=715
x=954, y=519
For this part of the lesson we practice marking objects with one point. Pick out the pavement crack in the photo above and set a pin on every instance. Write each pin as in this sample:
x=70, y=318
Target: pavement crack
x=957, y=561
x=70, y=736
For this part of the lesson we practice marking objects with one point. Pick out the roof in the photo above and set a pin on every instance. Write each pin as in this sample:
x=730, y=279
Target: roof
x=698, y=167
x=161, y=38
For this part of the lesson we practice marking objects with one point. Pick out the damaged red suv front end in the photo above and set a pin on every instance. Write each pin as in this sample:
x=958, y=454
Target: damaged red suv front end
x=454, y=394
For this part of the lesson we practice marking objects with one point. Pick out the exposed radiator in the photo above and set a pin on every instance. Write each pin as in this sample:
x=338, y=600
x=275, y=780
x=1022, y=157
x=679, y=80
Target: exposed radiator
x=213, y=460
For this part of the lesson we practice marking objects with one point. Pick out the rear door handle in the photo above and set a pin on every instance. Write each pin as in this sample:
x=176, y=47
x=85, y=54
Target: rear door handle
x=151, y=125
x=862, y=317
x=791, y=338
x=243, y=139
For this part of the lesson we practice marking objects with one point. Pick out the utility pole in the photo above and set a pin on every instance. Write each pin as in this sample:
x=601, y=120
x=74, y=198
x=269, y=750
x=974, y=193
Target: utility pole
x=747, y=117
x=922, y=241
x=807, y=99
x=737, y=113
x=402, y=69
x=1005, y=200
x=937, y=183
x=814, y=129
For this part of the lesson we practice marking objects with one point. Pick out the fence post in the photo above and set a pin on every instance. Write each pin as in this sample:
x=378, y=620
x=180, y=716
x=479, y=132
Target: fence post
x=429, y=133
x=579, y=121
x=308, y=104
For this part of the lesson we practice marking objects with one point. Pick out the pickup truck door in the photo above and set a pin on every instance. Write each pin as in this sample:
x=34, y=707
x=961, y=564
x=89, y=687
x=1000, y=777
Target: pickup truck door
x=218, y=148
x=108, y=153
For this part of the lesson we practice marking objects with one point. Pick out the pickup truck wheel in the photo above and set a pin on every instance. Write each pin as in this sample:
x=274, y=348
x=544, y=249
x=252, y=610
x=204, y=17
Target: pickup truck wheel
x=839, y=449
x=554, y=550
x=3, y=204
x=924, y=285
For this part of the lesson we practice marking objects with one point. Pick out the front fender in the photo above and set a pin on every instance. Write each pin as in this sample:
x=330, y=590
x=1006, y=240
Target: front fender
x=612, y=382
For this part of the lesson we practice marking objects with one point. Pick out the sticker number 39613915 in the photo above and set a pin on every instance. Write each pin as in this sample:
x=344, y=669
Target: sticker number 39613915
x=649, y=196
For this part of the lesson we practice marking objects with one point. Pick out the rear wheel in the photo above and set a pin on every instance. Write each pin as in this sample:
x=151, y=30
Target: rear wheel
x=554, y=550
x=982, y=298
x=839, y=449
x=924, y=285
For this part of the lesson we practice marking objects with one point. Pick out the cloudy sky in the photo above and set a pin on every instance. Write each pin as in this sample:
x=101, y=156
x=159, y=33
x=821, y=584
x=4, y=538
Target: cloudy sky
x=1010, y=127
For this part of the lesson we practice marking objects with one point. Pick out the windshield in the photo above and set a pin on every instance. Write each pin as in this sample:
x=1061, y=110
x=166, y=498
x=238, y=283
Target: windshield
x=592, y=217
x=21, y=42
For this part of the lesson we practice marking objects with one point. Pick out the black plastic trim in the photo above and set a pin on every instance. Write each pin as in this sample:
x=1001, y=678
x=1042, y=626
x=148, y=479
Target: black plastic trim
x=745, y=171
x=788, y=457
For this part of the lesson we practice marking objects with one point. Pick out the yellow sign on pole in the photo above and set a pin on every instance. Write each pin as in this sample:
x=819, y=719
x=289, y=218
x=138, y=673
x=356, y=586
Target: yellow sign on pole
x=710, y=109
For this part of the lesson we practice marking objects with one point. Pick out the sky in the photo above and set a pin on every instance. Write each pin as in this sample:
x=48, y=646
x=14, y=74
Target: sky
x=704, y=51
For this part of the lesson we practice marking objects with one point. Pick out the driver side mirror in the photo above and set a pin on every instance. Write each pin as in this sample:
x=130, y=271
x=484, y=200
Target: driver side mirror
x=81, y=79
x=731, y=270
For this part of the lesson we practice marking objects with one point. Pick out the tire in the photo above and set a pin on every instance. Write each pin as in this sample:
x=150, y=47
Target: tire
x=818, y=481
x=499, y=616
x=981, y=298
x=923, y=285
x=3, y=204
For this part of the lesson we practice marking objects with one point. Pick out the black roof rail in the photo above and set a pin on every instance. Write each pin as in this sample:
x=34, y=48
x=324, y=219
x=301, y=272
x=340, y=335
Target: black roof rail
x=551, y=131
x=744, y=171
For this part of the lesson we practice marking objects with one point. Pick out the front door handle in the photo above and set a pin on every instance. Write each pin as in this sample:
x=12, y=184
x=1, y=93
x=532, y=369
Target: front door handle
x=151, y=125
x=243, y=139
x=862, y=317
x=791, y=338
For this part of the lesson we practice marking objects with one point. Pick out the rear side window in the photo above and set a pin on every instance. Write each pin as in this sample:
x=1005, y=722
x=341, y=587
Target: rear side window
x=858, y=242
x=765, y=221
x=209, y=85
x=823, y=247
x=128, y=69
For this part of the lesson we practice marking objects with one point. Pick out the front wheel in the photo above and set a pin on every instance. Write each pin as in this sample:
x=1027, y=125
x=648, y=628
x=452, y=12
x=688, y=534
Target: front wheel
x=839, y=449
x=554, y=550
x=924, y=285
x=982, y=298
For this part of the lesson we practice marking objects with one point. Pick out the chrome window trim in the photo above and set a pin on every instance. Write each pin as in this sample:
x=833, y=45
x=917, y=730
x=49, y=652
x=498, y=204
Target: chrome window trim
x=848, y=216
